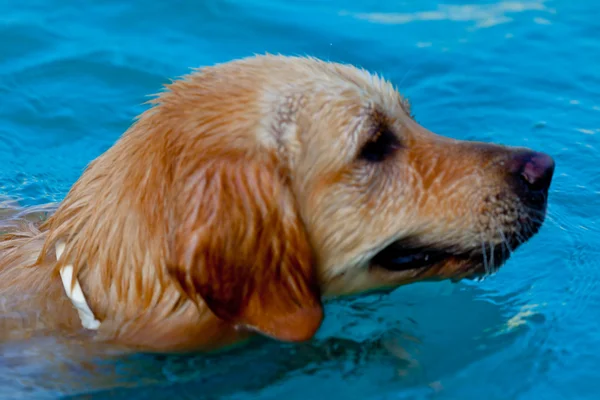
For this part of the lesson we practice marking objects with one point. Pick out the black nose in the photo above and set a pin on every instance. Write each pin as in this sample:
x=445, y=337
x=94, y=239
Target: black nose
x=535, y=169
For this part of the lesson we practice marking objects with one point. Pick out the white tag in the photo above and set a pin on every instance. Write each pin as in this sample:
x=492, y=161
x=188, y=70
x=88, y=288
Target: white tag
x=76, y=294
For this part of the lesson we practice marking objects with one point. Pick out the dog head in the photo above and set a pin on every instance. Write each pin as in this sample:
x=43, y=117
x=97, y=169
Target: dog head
x=262, y=185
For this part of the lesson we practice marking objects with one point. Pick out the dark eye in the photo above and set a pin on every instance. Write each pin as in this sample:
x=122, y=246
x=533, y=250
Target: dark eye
x=381, y=145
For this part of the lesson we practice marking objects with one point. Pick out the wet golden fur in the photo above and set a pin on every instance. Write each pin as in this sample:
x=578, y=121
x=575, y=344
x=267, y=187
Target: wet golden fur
x=239, y=201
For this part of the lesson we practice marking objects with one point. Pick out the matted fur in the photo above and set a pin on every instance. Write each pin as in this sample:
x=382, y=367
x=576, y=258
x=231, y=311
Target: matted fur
x=239, y=200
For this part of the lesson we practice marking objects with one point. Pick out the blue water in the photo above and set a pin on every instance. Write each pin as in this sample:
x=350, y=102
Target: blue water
x=524, y=72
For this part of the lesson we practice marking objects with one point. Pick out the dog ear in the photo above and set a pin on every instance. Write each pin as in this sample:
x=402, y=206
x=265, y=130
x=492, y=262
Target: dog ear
x=241, y=247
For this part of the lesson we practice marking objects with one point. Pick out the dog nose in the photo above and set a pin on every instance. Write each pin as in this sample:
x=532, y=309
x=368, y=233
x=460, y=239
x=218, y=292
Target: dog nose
x=534, y=168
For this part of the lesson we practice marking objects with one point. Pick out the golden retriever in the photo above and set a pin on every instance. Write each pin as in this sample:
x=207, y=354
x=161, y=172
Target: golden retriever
x=251, y=191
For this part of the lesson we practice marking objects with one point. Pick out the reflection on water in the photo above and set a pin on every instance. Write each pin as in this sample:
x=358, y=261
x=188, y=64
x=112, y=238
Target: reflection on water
x=483, y=15
x=12, y=215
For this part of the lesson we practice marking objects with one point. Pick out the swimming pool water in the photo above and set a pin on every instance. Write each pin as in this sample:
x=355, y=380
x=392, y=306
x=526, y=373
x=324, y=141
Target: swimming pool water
x=524, y=72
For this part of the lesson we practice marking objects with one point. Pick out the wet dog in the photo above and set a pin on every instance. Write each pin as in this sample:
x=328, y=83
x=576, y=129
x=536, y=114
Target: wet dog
x=251, y=191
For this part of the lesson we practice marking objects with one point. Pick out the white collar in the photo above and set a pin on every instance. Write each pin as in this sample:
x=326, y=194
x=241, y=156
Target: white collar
x=74, y=292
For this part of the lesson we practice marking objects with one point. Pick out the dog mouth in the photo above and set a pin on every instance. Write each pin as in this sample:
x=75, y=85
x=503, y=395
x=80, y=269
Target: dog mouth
x=412, y=258
x=399, y=256
x=426, y=261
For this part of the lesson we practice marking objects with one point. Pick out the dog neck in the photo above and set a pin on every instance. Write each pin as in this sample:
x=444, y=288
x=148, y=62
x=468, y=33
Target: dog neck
x=74, y=292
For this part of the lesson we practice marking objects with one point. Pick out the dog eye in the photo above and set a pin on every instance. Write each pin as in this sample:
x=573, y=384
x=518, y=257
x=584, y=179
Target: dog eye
x=381, y=145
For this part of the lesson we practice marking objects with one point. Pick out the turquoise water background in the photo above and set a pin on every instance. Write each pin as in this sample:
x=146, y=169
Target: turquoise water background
x=73, y=74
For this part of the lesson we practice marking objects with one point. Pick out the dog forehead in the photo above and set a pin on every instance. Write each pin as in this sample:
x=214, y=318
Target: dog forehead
x=371, y=85
x=325, y=89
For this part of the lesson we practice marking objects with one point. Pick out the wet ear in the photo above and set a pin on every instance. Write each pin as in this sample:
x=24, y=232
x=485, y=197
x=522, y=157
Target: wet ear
x=241, y=247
